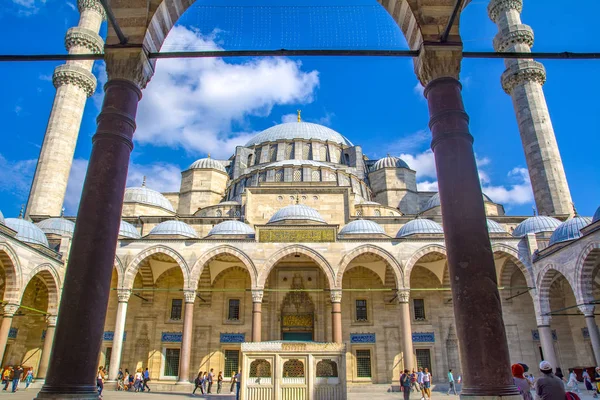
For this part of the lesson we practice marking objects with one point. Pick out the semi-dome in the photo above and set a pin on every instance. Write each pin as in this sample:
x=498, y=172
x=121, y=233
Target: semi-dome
x=127, y=230
x=147, y=196
x=362, y=227
x=569, y=230
x=57, y=226
x=494, y=227
x=207, y=163
x=174, y=228
x=299, y=130
x=434, y=201
x=420, y=226
x=536, y=224
x=594, y=219
x=232, y=227
x=27, y=231
x=389, y=162
x=296, y=212
x=1, y=218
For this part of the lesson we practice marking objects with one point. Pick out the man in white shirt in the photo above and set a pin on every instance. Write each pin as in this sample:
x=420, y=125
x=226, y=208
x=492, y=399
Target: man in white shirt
x=420, y=382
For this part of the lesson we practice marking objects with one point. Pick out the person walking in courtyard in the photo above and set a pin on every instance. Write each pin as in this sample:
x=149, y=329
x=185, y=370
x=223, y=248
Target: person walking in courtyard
x=521, y=382
x=28, y=378
x=238, y=385
x=145, y=379
x=211, y=377
x=451, y=382
x=138, y=380
x=233, y=376
x=198, y=384
x=414, y=385
x=16, y=378
x=549, y=386
x=420, y=382
x=205, y=382
x=405, y=384
x=587, y=381
x=572, y=383
x=6, y=377
x=126, y=380
x=427, y=383
x=100, y=381
x=219, y=382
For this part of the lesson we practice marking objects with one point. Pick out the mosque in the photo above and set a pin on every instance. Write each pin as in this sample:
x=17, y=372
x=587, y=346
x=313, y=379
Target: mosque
x=300, y=238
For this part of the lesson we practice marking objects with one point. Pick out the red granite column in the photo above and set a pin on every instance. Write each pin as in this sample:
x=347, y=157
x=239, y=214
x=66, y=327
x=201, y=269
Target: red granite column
x=477, y=308
x=87, y=282
x=257, y=296
x=336, y=316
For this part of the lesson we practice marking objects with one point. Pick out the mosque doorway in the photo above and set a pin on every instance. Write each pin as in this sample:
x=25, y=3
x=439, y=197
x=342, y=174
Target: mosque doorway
x=297, y=313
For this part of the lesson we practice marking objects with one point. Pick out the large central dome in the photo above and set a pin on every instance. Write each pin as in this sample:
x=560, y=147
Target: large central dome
x=299, y=130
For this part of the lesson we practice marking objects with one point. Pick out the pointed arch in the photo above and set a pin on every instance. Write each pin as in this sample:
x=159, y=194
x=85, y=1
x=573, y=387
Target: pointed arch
x=217, y=251
x=546, y=277
x=370, y=249
x=513, y=255
x=412, y=261
x=584, y=271
x=296, y=249
x=12, y=272
x=134, y=265
x=120, y=269
x=48, y=274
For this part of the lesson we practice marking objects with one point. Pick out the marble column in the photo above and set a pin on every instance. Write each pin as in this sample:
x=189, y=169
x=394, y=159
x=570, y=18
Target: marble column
x=9, y=312
x=590, y=321
x=86, y=288
x=547, y=343
x=186, y=340
x=476, y=300
x=117, y=347
x=336, y=316
x=257, y=296
x=47, y=349
x=406, y=327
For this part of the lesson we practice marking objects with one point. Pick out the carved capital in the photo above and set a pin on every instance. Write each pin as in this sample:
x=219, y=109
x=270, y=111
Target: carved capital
x=437, y=61
x=257, y=296
x=71, y=74
x=587, y=309
x=129, y=64
x=403, y=296
x=10, y=310
x=336, y=296
x=513, y=35
x=84, y=37
x=94, y=5
x=124, y=295
x=51, y=320
x=497, y=7
x=189, y=295
x=522, y=72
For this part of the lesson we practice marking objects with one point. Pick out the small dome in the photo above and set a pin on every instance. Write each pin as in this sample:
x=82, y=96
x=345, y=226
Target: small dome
x=537, y=224
x=389, y=162
x=434, y=201
x=207, y=163
x=1, y=218
x=362, y=227
x=494, y=227
x=420, y=226
x=594, y=219
x=174, y=228
x=127, y=230
x=147, y=196
x=298, y=130
x=231, y=227
x=569, y=230
x=58, y=226
x=296, y=212
x=27, y=231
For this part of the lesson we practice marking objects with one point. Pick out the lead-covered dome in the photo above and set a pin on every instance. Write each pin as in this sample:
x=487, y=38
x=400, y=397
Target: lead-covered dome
x=389, y=162
x=232, y=227
x=27, y=231
x=207, y=163
x=434, y=201
x=420, y=226
x=594, y=219
x=174, y=228
x=569, y=230
x=536, y=224
x=126, y=230
x=362, y=227
x=296, y=212
x=494, y=227
x=57, y=226
x=147, y=196
x=299, y=130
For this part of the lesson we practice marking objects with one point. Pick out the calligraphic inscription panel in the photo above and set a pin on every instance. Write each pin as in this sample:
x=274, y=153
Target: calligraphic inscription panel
x=297, y=235
x=298, y=320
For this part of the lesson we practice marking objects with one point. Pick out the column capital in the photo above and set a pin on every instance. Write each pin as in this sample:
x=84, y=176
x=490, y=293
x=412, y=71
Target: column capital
x=91, y=5
x=403, y=296
x=438, y=61
x=123, y=295
x=51, y=320
x=130, y=64
x=522, y=72
x=587, y=309
x=257, y=295
x=71, y=74
x=10, y=310
x=336, y=295
x=496, y=7
x=189, y=295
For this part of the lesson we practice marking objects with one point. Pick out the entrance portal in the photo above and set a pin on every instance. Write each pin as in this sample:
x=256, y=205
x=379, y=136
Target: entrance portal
x=297, y=313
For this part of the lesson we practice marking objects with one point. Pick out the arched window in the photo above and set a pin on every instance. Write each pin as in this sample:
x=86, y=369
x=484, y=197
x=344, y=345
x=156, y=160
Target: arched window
x=297, y=175
x=293, y=369
x=359, y=213
x=289, y=151
x=262, y=177
x=219, y=213
x=327, y=369
x=316, y=175
x=257, y=156
x=347, y=158
x=273, y=152
x=260, y=369
x=250, y=159
x=306, y=151
x=377, y=213
x=279, y=175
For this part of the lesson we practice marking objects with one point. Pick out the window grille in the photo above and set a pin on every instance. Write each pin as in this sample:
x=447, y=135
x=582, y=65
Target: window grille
x=262, y=177
x=424, y=358
x=306, y=151
x=377, y=213
x=257, y=156
x=363, y=363
x=273, y=152
x=327, y=369
x=316, y=175
x=219, y=213
x=260, y=368
x=289, y=151
x=172, y=362
x=233, y=313
x=335, y=155
x=297, y=175
x=361, y=310
x=232, y=362
x=359, y=213
x=323, y=153
x=176, y=307
x=419, y=309
x=293, y=369
x=279, y=175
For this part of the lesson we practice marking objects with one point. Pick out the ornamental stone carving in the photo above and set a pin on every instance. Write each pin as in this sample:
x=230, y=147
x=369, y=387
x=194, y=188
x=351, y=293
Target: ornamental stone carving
x=130, y=64
x=496, y=7
x=85, y=38
x=522, y=72
x=403, y=296
x=70, y=74
x=336, y=296
x=189, y=295
x=51, y=320
x=515, y=34
x=257, y=296
x=437, y=61
x=587, y=310
x=91, y=5
x=10, y=310
x=124, y=295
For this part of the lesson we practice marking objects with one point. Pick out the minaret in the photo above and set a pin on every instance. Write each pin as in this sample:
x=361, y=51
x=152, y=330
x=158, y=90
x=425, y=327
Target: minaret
x=523, y=80
x=74, y=83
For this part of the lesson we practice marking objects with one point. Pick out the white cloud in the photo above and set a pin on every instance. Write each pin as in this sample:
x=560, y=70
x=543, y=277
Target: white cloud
x=285, y=118
x=410, y=143
x=427, y=186
x=419, y=90
x=44, y=77
x=75, y=185
x=423, y=163
x=324, y=120
x=197, y=103
x=28, y=7
x=16, y=177
x=99, y=69
x=518, y=193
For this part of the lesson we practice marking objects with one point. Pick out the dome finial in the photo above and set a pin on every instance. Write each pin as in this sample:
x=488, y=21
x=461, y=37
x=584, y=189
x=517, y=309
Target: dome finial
x=144, y=181
x=208, y=155
x=22, y=211
x=299, y=117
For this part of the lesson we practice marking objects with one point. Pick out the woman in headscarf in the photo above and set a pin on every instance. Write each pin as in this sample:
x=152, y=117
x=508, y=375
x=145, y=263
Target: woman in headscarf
x=521, y=382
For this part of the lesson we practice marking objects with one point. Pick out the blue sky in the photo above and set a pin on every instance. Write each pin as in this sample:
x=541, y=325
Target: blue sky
x=192, y=107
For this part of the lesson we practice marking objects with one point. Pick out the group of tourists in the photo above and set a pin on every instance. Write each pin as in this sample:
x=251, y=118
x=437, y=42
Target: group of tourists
x=15, y=375
x=137, y=381
x=419, y=381
x=205, y=380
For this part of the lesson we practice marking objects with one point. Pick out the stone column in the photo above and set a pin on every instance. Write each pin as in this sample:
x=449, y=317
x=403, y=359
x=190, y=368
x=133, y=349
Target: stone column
x=590, y=321
x=523, y=80
x=186, y=340
x=257, y=296
x=406, y=327
x=336, y=316
x=475, y=295
x=547, y=343
x=9, y=312
x=47, y=349
x=117, y=347
x=74, y=83
x=86, y=286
